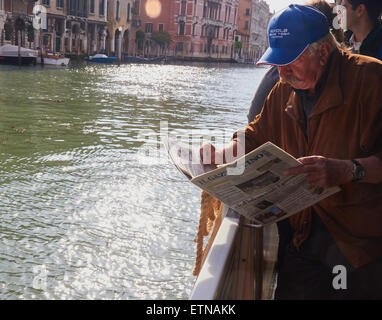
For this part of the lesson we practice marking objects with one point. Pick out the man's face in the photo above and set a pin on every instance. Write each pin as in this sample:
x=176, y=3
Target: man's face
x=303, y=73
x=351, y=17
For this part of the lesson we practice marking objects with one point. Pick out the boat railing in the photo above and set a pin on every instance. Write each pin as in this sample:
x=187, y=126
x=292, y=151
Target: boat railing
x=240, y=264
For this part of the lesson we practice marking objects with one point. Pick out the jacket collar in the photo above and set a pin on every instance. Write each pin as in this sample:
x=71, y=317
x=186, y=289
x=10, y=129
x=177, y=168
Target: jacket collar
x=332, y=95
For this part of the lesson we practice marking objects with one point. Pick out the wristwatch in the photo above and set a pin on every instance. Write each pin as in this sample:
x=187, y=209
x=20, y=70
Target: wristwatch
x=358, y=170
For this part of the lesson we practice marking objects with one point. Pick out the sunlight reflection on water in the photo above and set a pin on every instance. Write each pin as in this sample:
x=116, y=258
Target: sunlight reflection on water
x=84, y=214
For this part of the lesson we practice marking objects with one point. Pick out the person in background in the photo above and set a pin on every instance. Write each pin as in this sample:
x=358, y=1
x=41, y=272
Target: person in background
x=326, y=112
x=363, y=19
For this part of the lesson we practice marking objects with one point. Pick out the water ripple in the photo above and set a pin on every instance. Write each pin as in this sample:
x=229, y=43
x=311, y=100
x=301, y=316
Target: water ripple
x=86, y=213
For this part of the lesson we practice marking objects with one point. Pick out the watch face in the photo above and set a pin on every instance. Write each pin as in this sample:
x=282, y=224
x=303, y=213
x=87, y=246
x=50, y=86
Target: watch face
x=358, y=171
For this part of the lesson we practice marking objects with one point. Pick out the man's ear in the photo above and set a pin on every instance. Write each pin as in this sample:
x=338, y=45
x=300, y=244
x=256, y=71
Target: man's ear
x=361, y=10
x=324, y=53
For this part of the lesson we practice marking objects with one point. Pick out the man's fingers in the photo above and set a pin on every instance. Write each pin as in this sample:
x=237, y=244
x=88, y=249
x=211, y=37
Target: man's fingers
x=300, y=170
x=207, y=153
x=309, y=160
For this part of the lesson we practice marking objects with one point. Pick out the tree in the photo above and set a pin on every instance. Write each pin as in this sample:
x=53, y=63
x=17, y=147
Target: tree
x=140, y=39
x=162, y=38
x=30, y=32
x=238, y=46
x=9, y=31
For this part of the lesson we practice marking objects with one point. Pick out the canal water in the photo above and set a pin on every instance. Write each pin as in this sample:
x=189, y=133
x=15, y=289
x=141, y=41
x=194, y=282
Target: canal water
x=87, y=211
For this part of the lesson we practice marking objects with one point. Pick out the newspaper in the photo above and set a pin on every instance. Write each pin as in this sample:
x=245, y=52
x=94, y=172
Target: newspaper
x=261, y=192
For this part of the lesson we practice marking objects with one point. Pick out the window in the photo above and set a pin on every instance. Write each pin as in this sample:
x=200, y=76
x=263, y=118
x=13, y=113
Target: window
x=181, y=28
x=59, y=4
x=136, y=7
x=148, y=27
x=246, y=25
x=101, y=8
x=160, y=27
x=179, y=46
x=128, y=12
x=46, y=3
x=117, y=11
x=91, y=9
x=183, y=8
x=193, y=29
x=247, y=12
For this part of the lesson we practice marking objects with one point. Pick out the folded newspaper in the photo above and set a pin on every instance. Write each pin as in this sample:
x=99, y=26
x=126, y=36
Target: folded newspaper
x=253, y=185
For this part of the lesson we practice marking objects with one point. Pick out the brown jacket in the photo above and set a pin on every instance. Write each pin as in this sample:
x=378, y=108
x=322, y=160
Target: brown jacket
x=346, y=123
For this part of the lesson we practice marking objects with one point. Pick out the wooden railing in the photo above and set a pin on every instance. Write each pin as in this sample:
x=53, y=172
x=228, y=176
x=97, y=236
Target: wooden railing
x=240, y=265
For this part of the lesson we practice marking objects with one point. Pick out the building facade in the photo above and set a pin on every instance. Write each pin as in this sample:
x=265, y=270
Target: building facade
x=119, y=34
x=205, y=28
x=244, y=19
x=258, y=40
x=197, y=28
x=75, y=26
x=66, y=26
x=16, y=23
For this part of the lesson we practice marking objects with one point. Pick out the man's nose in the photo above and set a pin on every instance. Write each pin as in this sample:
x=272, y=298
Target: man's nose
x=284, y=70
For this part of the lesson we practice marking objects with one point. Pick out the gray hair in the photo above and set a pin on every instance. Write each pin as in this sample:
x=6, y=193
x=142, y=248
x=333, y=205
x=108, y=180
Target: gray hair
x=313, y=47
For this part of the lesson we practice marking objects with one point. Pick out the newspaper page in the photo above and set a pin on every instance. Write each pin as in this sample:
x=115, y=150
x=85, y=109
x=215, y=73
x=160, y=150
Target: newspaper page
x=261, y=192
x=186, y=159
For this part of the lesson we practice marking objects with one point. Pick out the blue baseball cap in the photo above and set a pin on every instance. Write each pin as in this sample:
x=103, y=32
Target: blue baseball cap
x=291, y=31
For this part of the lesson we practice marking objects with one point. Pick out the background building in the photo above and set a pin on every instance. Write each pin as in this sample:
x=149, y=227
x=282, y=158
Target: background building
x=258, y=40
x=119, y=27
x=206, y=28
x=244, y=18
x=16, y=22
x=189, y=29
x=196, y=28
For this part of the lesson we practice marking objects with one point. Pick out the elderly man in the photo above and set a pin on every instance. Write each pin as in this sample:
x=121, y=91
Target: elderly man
x=326, y=111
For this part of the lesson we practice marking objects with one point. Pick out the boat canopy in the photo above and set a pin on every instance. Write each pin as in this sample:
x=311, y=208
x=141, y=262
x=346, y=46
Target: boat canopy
x=99, y=55
x=9, y=50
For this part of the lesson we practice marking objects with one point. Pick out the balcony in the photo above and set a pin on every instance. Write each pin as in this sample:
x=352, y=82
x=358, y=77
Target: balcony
x=181, y=18
x=212, y=22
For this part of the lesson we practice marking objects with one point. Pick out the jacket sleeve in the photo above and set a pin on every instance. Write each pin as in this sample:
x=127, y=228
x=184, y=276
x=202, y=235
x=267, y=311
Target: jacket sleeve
x=371, y=113
x=260, y=130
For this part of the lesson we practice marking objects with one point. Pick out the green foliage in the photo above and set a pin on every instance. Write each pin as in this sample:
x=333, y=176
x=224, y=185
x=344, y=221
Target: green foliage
x=30, y=32
x=162, y=38
x=140, y=38
x=20, y=24
x=238, y=44
x=8, y=29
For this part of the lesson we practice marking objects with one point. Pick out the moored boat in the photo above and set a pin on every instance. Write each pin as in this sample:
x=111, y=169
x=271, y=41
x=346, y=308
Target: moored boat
x=9, y=54
x=55, y=59
x=102, y=58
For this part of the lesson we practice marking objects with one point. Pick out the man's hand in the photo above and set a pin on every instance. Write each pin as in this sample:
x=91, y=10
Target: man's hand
x=323, y=172
x=210, y=155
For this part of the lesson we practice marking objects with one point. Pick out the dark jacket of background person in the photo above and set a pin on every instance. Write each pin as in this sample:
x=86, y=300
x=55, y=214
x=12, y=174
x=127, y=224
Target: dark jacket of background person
x=346, y=123
x=372, y=45
x=266, y=85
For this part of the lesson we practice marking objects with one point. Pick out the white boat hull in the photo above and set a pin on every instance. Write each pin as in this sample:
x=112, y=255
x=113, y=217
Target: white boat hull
x=53, y=61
